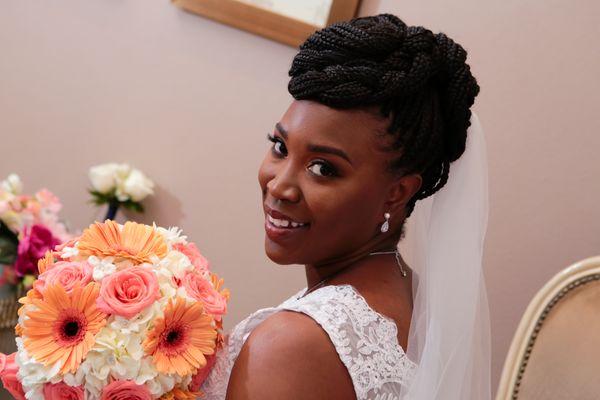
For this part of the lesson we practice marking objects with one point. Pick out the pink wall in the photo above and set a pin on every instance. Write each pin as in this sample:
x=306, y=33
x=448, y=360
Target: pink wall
x=190, y=101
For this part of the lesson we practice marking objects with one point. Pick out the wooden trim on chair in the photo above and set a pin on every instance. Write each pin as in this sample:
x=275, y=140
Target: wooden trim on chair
x=555, y=290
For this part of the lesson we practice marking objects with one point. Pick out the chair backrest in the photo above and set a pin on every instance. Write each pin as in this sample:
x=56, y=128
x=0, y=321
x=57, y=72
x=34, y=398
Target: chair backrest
x=555, y=354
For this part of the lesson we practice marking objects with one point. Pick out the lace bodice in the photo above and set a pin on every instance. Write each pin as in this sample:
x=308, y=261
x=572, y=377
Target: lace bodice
x=365, y=340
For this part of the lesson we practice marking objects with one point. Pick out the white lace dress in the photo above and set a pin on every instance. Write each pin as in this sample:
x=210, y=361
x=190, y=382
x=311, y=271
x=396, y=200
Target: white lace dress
x=365, y=340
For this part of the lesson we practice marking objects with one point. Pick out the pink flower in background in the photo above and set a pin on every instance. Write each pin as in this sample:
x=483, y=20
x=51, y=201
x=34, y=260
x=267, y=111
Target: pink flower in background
x=202, y=290
x=191, y=251
x=201, y=375
x=62, y=391
x=33, y=245
x=66, y=274
x=125, y=390
x=48, y=200
x=2, y=362
x=128, y=292
x=8, y=376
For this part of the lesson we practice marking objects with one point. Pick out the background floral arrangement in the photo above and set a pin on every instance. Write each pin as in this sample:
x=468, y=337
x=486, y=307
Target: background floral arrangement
x=29, y=226
x=122, y=312
x=119, y=185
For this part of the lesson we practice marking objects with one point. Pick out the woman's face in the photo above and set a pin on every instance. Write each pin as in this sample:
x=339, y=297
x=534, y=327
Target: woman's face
x=325, y=187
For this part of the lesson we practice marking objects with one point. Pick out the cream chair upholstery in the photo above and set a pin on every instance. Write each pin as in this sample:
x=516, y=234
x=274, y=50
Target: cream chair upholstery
x=555, y=354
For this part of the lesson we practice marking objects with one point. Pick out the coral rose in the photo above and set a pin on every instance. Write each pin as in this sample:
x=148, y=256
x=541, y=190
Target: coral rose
x=66, y=274
x=128, y=292
x=62, y=391
x=8, y=376
x=35, y=242
x=125, y=390
x=202, y=290
x=190, y=250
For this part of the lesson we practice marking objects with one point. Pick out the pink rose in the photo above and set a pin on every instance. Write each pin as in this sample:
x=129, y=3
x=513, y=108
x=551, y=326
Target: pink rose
x=66, y=274
x=202, y=374
x=125, y=390
x=2, y=362
x=8, y=376
x=191, y=251
x=202, y=290
x=62, y=391
x=35, y=242
x=128, y=292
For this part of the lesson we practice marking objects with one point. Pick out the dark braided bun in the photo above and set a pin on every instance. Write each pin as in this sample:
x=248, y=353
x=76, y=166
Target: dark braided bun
x=419, y=79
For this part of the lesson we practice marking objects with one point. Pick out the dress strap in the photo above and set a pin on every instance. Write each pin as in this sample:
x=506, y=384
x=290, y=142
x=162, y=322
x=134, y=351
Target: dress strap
x=365, y=340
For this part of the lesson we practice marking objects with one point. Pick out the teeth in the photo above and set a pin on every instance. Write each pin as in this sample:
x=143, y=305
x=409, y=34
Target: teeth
x=283, y=223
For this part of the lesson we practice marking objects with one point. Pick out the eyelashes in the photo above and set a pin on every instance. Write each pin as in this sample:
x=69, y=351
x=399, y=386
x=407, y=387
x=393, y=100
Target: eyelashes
x=319, y=167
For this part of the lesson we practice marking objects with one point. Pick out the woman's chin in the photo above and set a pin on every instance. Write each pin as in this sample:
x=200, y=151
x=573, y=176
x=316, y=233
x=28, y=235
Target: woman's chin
x=279, y=254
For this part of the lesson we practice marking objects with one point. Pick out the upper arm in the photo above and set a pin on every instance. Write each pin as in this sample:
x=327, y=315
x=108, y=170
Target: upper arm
x=289, y=356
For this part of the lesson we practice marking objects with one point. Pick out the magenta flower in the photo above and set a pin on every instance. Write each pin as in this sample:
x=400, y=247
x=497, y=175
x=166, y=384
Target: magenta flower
x=33, y=245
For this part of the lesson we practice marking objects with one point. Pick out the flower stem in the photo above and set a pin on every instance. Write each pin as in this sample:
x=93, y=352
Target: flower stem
x=113, y=207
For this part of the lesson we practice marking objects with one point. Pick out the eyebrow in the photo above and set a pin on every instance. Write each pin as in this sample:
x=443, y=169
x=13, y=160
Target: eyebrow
x=281, y=130
x=316, y=148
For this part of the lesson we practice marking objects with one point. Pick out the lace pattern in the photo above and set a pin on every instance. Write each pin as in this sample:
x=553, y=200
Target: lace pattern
x=365, y=341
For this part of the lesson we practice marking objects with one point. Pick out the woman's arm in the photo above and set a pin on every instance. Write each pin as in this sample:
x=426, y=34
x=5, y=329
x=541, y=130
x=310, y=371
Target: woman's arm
x=289, y=356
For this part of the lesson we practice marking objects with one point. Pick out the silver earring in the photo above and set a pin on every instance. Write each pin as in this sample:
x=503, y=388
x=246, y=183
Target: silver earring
x=386, y=224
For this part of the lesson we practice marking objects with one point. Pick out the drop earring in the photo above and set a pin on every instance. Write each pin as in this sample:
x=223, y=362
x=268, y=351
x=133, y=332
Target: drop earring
x=386, y=224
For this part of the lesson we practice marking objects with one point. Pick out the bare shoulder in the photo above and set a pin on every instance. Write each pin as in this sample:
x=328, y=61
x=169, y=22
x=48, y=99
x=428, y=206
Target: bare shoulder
x=289, y=356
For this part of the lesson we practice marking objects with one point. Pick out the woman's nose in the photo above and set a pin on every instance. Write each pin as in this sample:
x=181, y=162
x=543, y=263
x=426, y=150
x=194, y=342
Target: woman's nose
x=283, y=187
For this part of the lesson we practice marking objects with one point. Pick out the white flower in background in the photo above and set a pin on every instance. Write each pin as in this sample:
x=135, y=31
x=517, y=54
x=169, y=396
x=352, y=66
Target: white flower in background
x=12, y=185
x=101, y=267
x=125, y=182
x=137, y=186
x=104, y=177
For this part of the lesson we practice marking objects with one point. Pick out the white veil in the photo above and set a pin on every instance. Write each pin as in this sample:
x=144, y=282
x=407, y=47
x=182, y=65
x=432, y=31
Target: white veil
x=449, y=336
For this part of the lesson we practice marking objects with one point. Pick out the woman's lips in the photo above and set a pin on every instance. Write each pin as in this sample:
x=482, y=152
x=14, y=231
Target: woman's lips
x=280, y=227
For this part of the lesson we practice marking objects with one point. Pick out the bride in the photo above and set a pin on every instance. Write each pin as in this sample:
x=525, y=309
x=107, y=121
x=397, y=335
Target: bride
x=380, y=111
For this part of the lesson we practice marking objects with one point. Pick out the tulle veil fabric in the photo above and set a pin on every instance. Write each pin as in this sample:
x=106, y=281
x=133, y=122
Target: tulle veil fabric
x=449, y=336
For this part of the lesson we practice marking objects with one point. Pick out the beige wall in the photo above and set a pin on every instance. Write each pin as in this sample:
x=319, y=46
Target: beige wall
x=190, y=101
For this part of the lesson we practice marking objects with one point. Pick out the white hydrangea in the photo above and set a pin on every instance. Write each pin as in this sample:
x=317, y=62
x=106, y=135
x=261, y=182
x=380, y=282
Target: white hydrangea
x=176, y=263
x=32, y=374
x=139, y=323
x=12, y=184
x=101, y=267
x=69, y=252
x=172, y=236
x=115, y=353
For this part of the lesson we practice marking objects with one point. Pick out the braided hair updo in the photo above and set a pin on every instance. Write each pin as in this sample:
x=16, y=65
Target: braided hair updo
x=418, y=79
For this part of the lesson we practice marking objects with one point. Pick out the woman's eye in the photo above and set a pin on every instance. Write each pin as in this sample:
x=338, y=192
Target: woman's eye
x=278, y=146
x=321, y=168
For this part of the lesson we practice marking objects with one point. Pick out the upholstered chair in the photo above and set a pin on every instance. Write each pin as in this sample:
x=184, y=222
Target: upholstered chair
x=555, y=353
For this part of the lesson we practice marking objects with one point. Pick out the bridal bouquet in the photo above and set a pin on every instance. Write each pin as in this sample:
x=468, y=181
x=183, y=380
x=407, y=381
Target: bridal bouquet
x=29, y=226
x=122, y=312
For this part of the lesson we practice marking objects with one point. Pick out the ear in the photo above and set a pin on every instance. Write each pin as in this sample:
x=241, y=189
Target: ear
x=400, y=192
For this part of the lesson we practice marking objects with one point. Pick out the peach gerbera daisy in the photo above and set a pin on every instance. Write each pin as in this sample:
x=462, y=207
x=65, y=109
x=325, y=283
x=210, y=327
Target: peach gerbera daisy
x=180, y=394
x=63, y=326
x=179, y=340
x=45, y=262
x=136, y=242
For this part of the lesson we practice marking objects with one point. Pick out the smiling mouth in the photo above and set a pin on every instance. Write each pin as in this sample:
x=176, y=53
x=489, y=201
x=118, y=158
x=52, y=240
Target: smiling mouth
x=284, y=223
